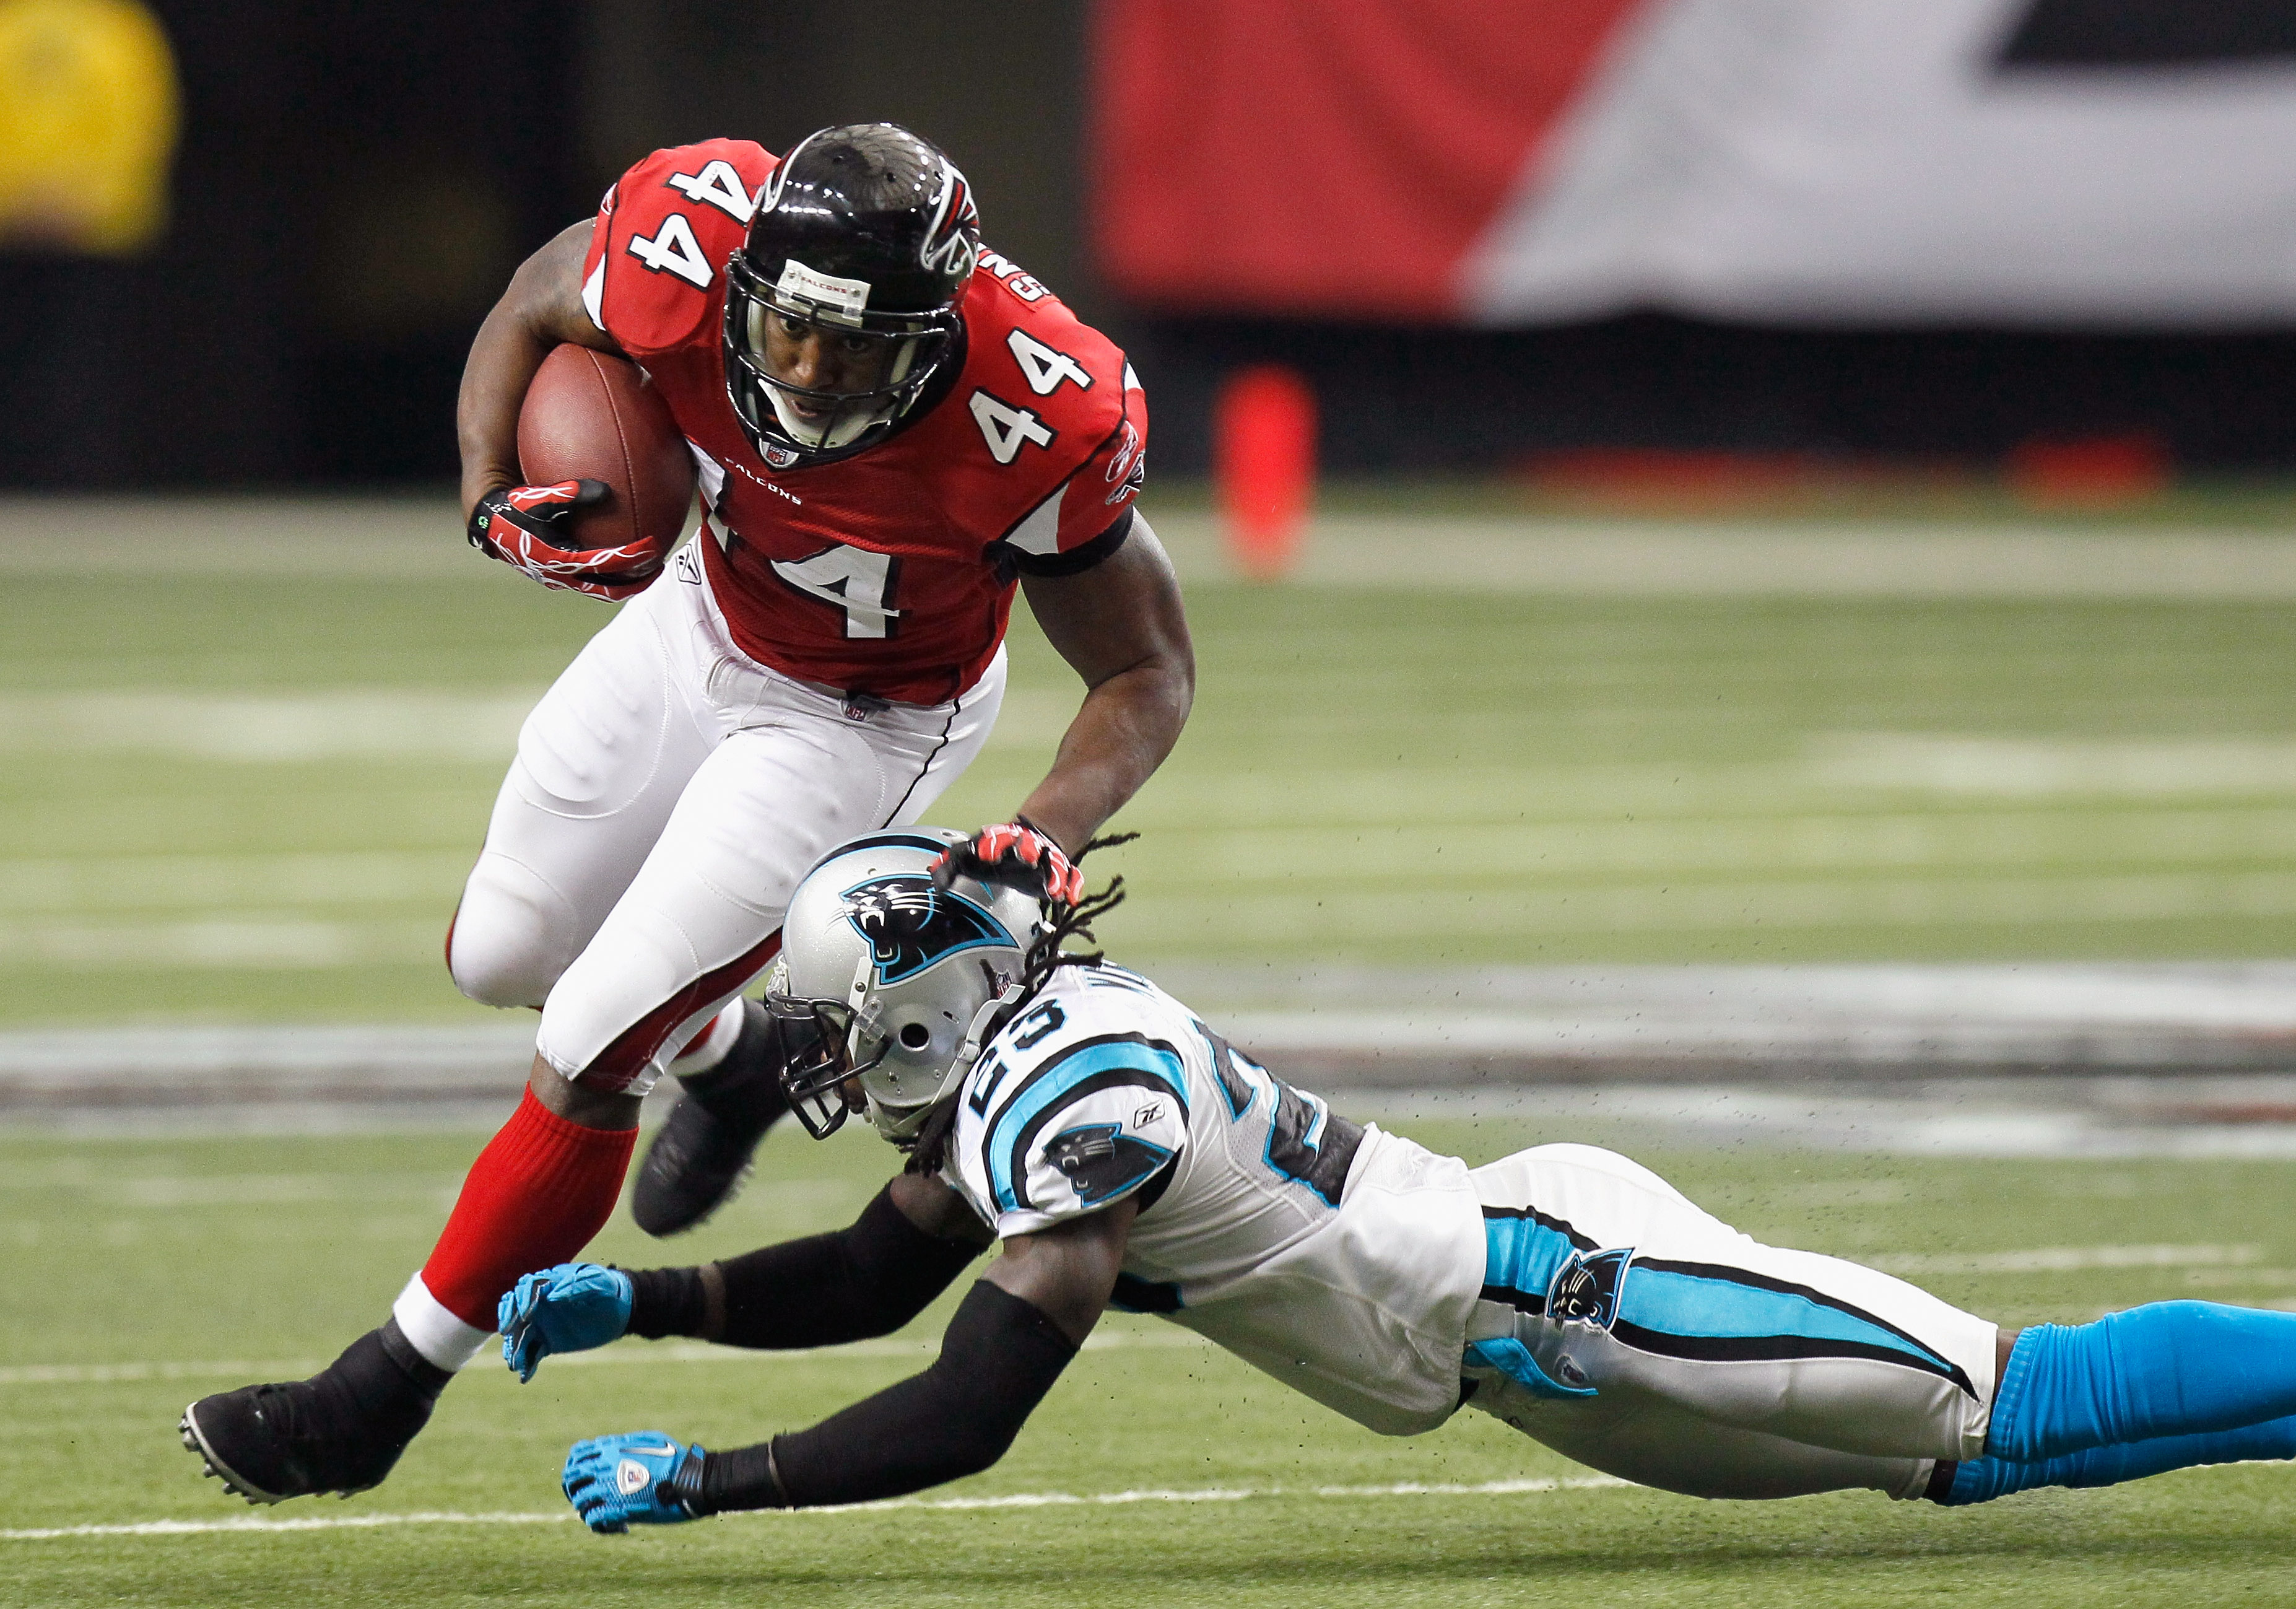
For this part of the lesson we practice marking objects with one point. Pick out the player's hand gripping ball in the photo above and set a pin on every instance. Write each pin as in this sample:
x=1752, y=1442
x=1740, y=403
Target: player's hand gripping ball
x=1016, y=855
x=572, y=1308
x=645, y=1478
x=530, y=528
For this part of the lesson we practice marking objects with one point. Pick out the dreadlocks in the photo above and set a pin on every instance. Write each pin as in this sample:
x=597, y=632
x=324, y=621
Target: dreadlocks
x=1046, y=956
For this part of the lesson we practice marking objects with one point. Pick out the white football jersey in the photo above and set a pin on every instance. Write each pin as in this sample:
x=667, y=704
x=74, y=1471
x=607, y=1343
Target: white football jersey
x=1343, y=1260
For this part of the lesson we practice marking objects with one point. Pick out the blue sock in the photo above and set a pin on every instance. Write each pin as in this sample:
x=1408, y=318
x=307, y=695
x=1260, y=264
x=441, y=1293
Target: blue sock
x=2168, y=1369
x=1982, y=1479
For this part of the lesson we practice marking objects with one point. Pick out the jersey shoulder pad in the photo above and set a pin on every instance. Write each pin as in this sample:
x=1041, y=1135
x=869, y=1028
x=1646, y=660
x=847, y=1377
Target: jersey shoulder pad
x=653, y=278
x=1064, y=1115
x=1055, y=399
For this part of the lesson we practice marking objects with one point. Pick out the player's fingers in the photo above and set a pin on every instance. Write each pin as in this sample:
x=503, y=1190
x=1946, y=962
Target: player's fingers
x=544, y=502
x=628, y=584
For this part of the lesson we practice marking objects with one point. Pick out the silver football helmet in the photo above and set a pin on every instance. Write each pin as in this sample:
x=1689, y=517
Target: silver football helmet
x=886, y=984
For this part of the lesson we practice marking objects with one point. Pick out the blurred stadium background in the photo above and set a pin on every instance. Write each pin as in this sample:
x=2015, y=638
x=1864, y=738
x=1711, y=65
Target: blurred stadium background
x=1797, y=585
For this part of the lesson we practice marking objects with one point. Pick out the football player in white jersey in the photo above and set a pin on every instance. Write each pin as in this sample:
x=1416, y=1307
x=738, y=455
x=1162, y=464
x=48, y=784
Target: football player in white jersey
x=1125, y=1155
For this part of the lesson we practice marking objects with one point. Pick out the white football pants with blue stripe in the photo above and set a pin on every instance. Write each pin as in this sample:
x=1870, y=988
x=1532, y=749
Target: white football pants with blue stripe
x=1629, y=1329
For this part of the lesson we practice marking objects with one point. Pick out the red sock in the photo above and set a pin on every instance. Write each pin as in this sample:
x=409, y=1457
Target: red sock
x=538, y=1192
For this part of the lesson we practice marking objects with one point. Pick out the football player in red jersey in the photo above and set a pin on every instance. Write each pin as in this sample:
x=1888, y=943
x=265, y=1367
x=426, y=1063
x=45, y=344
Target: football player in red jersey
x=892, y=427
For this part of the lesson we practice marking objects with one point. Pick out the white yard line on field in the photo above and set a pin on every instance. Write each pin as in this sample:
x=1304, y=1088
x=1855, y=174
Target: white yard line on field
x=411, y=538
x=1021, y=1499
x=681, y=1351
x=362, y=1522
x=2051, y=1259
x=1851, y=559
x=368, y=723
x=2062, y=1259
x=254, y=940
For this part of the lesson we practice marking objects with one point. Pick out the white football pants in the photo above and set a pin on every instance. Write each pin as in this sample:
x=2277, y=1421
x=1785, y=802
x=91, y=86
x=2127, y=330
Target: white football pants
x=668, y=795
x=1696, y=1359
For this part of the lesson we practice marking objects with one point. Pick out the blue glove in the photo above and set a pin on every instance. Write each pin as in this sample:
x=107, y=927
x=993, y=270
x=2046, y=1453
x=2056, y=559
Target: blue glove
x=644, y=1478
x=568, y=1308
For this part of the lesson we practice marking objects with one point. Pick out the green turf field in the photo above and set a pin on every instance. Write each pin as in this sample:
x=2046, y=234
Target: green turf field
x=143, y=1273
x=253, y=795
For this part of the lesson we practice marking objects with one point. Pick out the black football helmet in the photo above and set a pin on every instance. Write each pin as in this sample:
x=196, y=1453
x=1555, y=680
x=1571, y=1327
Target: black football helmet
x=866, y=233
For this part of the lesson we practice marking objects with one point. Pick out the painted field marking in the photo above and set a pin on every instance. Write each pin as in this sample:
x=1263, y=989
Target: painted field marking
x=1019, y=1499
x=683, y=1351
x=219, y=882
x=368, y=723
x=363, y=1521
x=1396, y=913
x=399, y=539
x=2033, y=1261
x=254, y=939
x=2057, y=1260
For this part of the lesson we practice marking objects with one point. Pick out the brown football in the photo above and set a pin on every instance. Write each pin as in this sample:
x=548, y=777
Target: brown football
x=592, y=416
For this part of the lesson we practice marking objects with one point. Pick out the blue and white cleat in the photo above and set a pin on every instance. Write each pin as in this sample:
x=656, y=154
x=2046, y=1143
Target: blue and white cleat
x=644, y=1478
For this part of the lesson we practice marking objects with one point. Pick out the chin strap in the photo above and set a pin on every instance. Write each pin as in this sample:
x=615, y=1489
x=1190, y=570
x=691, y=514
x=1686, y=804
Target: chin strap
x=986, y=1021
x=861, y=1001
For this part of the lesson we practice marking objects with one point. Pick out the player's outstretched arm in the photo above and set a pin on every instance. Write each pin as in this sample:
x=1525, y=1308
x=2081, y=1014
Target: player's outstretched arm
x=1121, y=626
x=1008, y=1343
x=869, y=1279
x=541, y=309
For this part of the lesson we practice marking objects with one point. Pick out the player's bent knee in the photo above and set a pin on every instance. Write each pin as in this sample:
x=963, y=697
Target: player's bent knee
x=511, y=940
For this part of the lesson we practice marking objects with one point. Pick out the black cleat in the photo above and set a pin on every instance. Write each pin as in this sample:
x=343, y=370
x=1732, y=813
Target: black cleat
x=339, y=1431
x=700, y=1154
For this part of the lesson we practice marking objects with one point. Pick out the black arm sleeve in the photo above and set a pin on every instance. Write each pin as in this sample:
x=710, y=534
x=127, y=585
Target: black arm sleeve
x=867, y=1280
x=1012, y=562
x=1000, y=1357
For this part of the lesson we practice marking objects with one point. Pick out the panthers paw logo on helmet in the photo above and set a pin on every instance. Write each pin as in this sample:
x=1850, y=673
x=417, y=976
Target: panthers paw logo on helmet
x=910, y=924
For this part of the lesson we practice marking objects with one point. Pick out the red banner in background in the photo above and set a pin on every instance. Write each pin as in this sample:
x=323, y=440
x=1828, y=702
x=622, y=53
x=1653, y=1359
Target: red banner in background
x=1320, y=160
x=2087, y=162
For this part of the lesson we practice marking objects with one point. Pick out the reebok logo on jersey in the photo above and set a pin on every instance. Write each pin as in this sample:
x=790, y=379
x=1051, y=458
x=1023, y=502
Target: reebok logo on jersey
x=1147, y=1114
x=1128, y=470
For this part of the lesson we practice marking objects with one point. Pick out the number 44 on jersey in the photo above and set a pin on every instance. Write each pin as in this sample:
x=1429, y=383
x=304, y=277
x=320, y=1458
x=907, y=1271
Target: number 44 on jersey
x=1007, y=429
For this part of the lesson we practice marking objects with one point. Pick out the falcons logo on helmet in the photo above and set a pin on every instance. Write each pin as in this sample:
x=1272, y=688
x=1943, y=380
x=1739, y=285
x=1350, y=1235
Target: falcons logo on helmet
x=911, y=926
x=950, y=245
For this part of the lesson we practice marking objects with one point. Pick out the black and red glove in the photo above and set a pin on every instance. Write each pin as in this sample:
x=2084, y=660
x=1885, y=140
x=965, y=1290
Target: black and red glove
x=526, y=527
x=1017, y=855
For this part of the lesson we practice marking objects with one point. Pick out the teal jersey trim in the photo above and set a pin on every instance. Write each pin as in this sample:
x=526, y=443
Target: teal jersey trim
x=1156, y=1065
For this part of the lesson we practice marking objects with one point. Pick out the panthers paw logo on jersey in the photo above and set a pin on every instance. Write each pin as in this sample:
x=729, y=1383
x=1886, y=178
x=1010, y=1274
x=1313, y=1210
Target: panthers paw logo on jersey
x=1100, y=1161
x=911, y=924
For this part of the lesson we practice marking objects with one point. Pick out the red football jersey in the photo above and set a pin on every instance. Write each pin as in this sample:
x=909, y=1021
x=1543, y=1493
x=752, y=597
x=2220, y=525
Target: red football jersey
x=889, y=572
